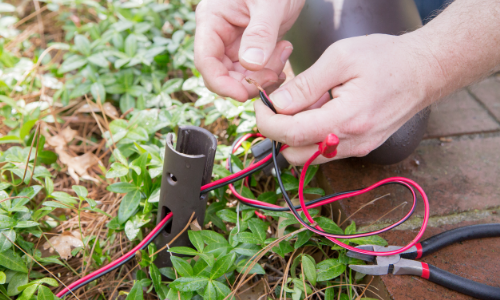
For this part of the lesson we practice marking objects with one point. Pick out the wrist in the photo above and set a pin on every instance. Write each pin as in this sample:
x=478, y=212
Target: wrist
x=431, y=77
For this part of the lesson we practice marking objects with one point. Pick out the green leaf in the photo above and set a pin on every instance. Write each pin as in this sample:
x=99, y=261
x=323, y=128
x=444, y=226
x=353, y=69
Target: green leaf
x=222, y=265
x=82, y=44
x=258, y=228
x=283, y=248
x=197, y=240
x=210, y=293
x=130, y=45
x=64, y=197
x=28, y=292
x=269, y=197
x=10, y=139
x=314, y=191
x=329, y=226
x=121, y=187
x=44, y=293
x=309, y=267
x=311, y=171
x=49, y=185
x=26, y=128
x=136, y=292
x=185, y=284
x=183, y=250
x=351, y=229
x=329, y=269
x=26, y=224
x=98, y=91
x=81, y=191
x=243, y=265
x=129, y=205
x=12, y=261
x=290, y=183
x=19, y=279
x=302, y=238
x=160, y=288
x=247, y=237
x=6, y=239
x=199, y=268
x=47, y=157
x=2, y=277
x=222, y=289
x=209, y=258
x=70, y=65
x=181, y=266
x=247, y=249
x=100, y=60
x=213, y=237
x=117, y=170
x=131, y=230
x=369, y=240
x=117, y=154
x=227, y=215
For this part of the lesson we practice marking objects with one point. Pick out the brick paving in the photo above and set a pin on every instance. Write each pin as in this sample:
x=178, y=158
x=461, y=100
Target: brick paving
x=458, y=165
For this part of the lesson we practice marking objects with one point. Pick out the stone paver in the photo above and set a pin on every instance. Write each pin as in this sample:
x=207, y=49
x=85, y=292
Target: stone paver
x=461, y=178
x=476, y=260
x=460, y=114
x=488, y=92
x=457, y=176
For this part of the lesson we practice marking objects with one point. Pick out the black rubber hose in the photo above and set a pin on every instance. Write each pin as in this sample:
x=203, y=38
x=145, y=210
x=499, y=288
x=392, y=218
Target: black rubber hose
x=457, y=235
x=463, y=285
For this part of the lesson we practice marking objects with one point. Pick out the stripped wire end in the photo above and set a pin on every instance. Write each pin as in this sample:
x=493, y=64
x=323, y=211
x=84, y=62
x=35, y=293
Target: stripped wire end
x=251, y=81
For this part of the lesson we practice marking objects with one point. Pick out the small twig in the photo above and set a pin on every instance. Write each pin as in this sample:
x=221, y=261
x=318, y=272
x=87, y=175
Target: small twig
x=365, y=205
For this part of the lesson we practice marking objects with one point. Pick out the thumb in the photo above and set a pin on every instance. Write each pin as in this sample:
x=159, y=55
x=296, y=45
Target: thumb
x=312, y=85
x=261, y=35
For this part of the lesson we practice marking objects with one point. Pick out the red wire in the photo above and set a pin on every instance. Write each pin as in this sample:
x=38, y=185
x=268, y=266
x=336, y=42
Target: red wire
x=346, y=246
x=118, y=261
x=403, y=180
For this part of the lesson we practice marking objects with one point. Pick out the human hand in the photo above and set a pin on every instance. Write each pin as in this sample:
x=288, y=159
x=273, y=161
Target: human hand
x=240, y=38
x=378, y=82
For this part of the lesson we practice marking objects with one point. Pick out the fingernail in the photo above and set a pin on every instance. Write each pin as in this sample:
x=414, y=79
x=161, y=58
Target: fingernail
x=286, y=54
x=254, y=56
x=282, y=76
x=281, y=99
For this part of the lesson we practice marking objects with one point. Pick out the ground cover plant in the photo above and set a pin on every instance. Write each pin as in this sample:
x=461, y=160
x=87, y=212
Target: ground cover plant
x=88, y=92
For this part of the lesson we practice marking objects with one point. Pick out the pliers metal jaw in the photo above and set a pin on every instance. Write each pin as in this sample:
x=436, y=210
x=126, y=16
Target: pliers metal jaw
x=403, y=263
x=393, y=264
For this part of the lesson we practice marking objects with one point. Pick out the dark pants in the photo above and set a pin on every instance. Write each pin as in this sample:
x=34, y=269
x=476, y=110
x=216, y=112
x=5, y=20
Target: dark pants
x=428, y=9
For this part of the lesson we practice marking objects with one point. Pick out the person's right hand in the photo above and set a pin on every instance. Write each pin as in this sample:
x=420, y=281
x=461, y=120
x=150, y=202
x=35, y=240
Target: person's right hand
x=236, y=39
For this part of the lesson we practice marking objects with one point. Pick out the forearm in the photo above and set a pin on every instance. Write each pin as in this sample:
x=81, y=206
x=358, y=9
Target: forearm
x=461, y=46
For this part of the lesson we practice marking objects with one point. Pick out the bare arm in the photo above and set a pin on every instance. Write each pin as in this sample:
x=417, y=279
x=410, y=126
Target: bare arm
x=380, y=81
x=464, y=44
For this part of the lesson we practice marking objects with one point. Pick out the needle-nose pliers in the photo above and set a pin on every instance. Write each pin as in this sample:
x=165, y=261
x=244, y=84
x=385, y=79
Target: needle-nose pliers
x=403, y=264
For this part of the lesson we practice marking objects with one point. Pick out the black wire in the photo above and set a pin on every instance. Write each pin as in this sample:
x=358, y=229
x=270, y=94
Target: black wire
x=275, y=151
x=120, y=264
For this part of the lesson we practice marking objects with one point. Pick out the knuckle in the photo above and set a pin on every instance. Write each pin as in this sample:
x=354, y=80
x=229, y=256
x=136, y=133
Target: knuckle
x=358, y=126
x=259, y=31
x=304, y=86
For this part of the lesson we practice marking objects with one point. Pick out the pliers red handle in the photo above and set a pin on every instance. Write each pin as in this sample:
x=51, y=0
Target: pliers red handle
x=403, y=264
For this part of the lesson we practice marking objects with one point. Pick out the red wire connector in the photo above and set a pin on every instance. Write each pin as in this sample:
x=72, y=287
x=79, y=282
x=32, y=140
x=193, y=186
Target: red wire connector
x=328, y=147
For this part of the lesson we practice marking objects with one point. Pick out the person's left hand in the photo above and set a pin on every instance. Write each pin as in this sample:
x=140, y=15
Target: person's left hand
x=378, y=82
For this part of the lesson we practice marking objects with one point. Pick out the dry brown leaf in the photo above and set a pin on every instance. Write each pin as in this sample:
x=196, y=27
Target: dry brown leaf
x=195, y=226
x=60, y=140
x=77, y=165
x=64, y=243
